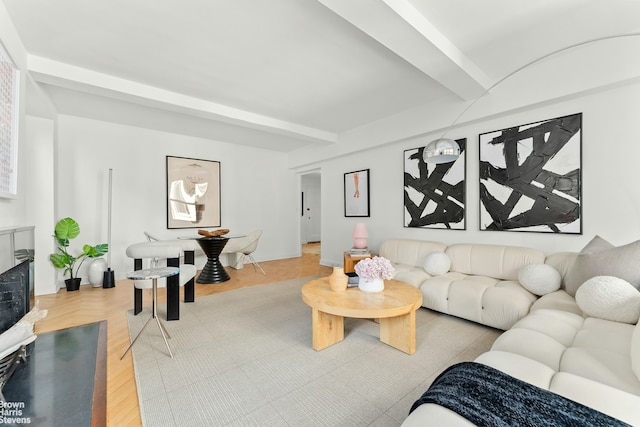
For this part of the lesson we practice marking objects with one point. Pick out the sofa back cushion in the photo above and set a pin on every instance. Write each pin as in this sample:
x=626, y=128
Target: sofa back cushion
x=562, y=261
x=409, y=252
x=601, y=258
x=497, y=261
x=635, y=351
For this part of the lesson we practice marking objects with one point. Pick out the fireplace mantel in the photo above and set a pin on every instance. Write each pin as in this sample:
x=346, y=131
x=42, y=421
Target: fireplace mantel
x=12, y=239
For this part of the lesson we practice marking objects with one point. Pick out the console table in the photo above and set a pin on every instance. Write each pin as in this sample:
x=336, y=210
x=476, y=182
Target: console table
x=350, y=261
x=64, y=382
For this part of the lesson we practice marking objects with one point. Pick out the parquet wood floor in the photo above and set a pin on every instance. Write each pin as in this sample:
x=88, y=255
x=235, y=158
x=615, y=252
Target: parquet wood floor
x=68, y=309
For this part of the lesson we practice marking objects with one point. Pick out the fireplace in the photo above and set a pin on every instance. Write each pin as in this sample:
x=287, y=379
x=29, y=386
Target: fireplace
x=16, y=273
x=14, y=295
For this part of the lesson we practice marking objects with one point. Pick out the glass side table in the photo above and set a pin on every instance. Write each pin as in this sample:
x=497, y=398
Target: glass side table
x=154, y=274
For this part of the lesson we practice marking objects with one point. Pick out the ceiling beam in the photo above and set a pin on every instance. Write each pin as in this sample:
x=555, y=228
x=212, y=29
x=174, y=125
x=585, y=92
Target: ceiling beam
x=67, y=76
x=400, y=27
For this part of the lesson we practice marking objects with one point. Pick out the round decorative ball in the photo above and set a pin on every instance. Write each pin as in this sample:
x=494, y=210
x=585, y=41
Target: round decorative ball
x=437, y=263
x=609, y=298
x=539, y=279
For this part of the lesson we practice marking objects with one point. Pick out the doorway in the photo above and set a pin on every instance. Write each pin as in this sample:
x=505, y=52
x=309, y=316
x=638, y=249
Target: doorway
x=310, y=223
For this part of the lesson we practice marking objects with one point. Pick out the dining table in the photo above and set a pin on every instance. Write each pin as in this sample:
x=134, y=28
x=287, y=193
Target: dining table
x=213, y=270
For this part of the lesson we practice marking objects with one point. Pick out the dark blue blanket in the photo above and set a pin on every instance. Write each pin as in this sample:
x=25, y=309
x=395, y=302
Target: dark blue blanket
x=488, y=397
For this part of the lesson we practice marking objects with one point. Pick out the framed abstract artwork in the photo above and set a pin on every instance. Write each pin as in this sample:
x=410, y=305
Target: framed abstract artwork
x=193, y=193
x=530, y=177
x=356, y=193
x=9, y=113
x=434, y=194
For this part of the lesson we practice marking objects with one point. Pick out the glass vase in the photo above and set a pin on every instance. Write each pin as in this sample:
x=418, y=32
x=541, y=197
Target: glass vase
x=338, y=280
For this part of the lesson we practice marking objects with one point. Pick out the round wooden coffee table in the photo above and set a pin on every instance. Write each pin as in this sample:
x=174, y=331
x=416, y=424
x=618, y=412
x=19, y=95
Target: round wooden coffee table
x=395, y=307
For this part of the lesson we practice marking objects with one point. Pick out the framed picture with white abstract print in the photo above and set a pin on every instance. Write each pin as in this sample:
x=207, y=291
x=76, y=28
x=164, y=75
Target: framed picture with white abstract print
x=434, y=194
x=530, y=177
x=193, y=193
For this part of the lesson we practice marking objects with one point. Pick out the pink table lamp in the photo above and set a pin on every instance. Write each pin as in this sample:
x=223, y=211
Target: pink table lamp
x=360, y=236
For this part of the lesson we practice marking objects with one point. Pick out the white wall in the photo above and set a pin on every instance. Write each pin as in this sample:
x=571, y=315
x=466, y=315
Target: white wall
x=257, y=188
x=64, y=162
x=40, y=194
x=610, y=203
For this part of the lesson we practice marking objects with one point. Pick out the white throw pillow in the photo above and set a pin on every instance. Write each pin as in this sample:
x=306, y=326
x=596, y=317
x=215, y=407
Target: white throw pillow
x=539, y=279
x=609, y=298
x=437, y=263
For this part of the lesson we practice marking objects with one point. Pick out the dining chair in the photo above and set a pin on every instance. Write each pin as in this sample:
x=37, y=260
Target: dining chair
x=243, y=247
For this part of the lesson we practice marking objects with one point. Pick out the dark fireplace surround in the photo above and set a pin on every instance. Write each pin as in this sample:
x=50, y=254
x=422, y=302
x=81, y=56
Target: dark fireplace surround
x=14, y=295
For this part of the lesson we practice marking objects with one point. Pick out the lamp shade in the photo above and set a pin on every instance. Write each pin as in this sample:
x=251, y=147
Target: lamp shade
x=360, y=236
x=442, y=150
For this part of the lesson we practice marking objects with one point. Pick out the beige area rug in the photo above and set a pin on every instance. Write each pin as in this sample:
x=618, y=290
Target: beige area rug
x=244, y=358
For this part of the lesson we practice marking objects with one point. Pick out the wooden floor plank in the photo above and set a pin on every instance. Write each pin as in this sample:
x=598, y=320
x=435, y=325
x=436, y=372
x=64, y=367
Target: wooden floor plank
x=67, y=309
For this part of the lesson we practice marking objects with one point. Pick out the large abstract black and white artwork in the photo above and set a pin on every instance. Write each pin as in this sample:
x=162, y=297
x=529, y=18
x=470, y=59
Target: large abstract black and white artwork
x=530, y=177
x=434, y=195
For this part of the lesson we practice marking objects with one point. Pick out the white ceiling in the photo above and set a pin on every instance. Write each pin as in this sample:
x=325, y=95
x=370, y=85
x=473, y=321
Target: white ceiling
x=282, y=74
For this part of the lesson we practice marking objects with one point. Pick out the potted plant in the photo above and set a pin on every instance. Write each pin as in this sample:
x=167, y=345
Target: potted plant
x=67, y=229
x=372, y=273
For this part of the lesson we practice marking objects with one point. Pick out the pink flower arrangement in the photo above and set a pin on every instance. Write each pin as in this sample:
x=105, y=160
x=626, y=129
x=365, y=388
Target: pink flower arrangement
x=373, y=268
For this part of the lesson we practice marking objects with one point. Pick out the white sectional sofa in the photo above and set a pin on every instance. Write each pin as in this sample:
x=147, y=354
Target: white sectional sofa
x=481, y=283
x=549, y=341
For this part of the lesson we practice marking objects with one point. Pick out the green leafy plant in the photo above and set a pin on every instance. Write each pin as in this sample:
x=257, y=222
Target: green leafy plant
x=66, y=230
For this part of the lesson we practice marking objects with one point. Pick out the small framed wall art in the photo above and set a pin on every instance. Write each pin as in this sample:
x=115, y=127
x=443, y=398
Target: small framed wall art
x=356, y=193
x=193, y=193
x=530, y=177
x=434, y=194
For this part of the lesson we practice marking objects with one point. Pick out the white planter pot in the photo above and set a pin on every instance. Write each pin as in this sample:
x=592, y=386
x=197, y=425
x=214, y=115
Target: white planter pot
x=96, y=272
x=376, y=285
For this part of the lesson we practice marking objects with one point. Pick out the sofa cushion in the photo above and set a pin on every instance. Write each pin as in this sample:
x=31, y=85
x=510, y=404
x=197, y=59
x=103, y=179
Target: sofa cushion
x=635, y=350
x=601, y=258
x=562, y=262
x=409, y=252
x=482, y=299
x=531, y=344
x=605, y=334
x=559, y=300
x=505, y=303
x=435, y=292
x=414, y=276
x=518, y=366
x=608, y=400
x=602, y=352
x=610, y=298
x=601, y=365
x=539, y=279
x=559, y=325
x=437, y=263
x=497, y=261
